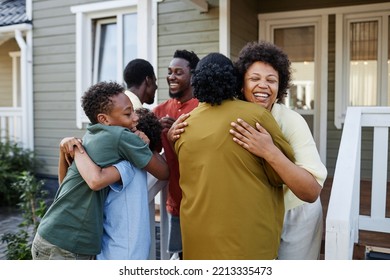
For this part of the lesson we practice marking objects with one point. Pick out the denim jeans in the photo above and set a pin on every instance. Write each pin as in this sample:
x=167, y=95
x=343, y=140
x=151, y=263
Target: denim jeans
x=174, y=235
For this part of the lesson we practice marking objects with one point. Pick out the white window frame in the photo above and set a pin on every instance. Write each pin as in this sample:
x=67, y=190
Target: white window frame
x=319, y=19
x=375, y=12
x=85, y=15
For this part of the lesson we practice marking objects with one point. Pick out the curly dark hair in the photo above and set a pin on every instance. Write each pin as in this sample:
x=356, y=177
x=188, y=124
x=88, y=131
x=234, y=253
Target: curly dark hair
x=136, y=71
x=215, y=79
x=149, y=124
x=190, y=56
x=98, y=99
x=268, y=53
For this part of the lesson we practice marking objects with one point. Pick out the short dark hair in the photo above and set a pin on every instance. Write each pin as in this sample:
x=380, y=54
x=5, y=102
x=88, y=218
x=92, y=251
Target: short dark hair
x=190, y=56
x=271, y=54
x=136, y=71
x=149, y=124
x=215, y=79
x=97, y=99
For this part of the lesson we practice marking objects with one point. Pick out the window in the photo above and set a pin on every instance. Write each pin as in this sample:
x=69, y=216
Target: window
x=104, y=67
x=362, y=59
x=299, y=44
x=108, y=35
x=110, y=41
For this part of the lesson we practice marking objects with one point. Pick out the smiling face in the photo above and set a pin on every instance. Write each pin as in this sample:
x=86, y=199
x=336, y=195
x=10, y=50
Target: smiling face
x=122, y=113
x=179, y=79
x=261, y=84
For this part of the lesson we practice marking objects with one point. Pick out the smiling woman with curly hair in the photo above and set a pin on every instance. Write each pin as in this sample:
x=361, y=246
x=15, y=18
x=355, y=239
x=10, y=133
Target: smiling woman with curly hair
x=232, y=205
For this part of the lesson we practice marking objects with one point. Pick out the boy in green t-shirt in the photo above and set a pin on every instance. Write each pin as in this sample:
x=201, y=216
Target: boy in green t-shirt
x=73, y=225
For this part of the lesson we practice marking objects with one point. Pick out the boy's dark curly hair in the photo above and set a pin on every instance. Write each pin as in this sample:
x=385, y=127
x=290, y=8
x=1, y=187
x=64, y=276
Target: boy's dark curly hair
x=215, y=79
x=149, y=124
x=190, y=56
x=97, y=99
x=268, y=53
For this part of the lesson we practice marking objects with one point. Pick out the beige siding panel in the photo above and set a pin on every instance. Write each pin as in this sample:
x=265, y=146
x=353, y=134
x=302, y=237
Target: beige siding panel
x=47, y=135
x=166, y=51
x=40, y=5
x=68, y=40
x=49, y=164
x=54, y=78
x=60, y=115
x=50, y=68
x=54, y=124
x=62, y=95
x=54, y=50
x=174, y=6
x=243, y=25
x=55, y=59
x=181, y=26
x=56, y=21
x=6, y=72
x=66, y=104
x=54, y=30
x=188, y=16
x=206, y=25
x=50, y=87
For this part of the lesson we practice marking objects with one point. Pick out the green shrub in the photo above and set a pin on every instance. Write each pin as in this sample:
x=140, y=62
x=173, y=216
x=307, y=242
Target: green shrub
x=33, y=207
x=13, y=161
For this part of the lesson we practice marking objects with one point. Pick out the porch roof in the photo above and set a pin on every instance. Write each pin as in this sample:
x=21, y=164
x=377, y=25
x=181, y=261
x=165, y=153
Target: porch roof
x=13, y=12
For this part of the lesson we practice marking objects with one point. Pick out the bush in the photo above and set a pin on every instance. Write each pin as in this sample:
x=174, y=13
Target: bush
x=13, y=161
x=33, y=208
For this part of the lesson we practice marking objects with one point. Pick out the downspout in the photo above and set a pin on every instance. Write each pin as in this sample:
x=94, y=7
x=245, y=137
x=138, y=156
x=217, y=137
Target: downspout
x=26, y=96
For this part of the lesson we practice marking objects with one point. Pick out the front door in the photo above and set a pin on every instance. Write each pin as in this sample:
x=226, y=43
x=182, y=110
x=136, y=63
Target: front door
x=301, y=39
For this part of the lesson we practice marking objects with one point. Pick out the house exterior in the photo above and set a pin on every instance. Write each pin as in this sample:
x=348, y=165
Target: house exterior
x=56, y=49
x=16, y=95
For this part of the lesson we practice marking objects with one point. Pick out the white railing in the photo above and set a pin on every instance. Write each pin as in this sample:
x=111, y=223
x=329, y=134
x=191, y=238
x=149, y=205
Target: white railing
x=11, y=124
x=157, y=187
x=343, y=220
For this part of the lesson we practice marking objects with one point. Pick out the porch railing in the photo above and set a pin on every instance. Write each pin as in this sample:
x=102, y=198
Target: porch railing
x=343, y=220
x=11, y=124
x=155, y=188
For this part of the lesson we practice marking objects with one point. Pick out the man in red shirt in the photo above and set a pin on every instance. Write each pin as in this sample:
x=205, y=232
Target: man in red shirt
x=181, y=101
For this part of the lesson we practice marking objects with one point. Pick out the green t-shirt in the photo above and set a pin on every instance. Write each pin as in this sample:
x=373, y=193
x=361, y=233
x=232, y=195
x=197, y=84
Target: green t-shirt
x=74, y=221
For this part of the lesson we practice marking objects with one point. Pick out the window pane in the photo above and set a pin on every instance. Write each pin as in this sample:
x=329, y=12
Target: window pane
x=363, y=45
x=298, y=43
x=107, y=53
x=129, y=37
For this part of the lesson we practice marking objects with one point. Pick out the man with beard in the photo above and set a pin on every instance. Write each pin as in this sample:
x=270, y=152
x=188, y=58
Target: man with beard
x=181, y=101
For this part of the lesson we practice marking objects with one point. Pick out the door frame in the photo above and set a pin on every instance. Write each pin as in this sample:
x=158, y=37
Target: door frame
x=319, y=19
